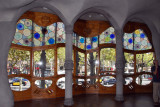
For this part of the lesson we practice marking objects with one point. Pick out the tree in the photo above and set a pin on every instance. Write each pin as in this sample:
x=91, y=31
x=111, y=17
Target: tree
x=18, y=58
x=107, y=57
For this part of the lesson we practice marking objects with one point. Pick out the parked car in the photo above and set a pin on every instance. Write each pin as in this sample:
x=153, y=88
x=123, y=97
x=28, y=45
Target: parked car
x=109, y=81
x=16, y=82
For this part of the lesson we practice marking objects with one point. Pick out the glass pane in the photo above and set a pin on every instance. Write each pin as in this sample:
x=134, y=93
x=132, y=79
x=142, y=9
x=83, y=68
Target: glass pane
x=144, y=62
x=61, y=83
x=80, y=81
x=141, y=40
x=129, y=63
x=23, y=35
x=107, y=59
x=19, y=83
x=81, y=42
x=18, y=62
x=80, y=64
x=92, y=64
x=88, y=44
x=144, y=79
x=108, y=36
x=94, y=42
x=74, y=38
x=50, y=35
x=91, y=43
x=43, y=83
x=38, y=63
x=128, y=80
x=107, y=81
x=60, y=33
x=60, y=60
x=37, y=40
x=128, y=41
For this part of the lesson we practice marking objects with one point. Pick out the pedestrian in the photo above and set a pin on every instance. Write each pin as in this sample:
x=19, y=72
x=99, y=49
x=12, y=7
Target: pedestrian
x=156, y=82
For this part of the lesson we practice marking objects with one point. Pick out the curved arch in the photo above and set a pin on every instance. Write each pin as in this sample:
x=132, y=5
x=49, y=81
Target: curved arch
x=97, y=10
x=142, y=20
x=150, y=26
x=36, y=5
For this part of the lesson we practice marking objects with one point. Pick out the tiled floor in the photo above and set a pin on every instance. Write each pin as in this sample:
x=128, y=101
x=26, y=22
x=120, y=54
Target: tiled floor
x=137, y=100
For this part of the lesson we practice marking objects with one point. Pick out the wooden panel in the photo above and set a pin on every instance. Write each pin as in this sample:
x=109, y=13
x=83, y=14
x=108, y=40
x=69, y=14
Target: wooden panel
x=90, y=28
x=41, y=19
x=23, y=95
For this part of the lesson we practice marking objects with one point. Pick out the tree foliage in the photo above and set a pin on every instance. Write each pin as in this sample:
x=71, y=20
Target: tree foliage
x=107, y=55
x=16, y=57
x=147, y=59
x=129, y=57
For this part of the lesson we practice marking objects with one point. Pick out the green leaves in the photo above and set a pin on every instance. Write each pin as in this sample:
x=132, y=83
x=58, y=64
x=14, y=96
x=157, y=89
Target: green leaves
x=16, y=56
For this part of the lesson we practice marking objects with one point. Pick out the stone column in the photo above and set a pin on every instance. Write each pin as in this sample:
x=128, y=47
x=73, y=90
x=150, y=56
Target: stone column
x=120, y=64
x=156, y=44
x=7, y=32
x=68, y=66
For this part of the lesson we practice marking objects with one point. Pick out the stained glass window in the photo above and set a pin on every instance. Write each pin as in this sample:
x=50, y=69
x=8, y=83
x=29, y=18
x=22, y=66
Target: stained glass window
x=81, y=42
x=91, y=43
x=23, y=35
x=94, y=42
x=88, y=44
x=60, y=33
x=37, y=35
x=138, y=38
x=141, y=41
x=50, y=35
x=108, y=36
x=128, y=41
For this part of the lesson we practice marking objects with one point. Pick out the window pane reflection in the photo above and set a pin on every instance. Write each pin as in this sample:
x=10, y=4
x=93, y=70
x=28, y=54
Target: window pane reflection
x=92, y=64
x=49, y=70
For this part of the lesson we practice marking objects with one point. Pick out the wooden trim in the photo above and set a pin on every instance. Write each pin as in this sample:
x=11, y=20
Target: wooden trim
x=19, y=47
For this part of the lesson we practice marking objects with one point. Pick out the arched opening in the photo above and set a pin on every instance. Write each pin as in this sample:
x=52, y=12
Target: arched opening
x=139, y=56
x=94, y=53
x=36, y=59
x=36, y=56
